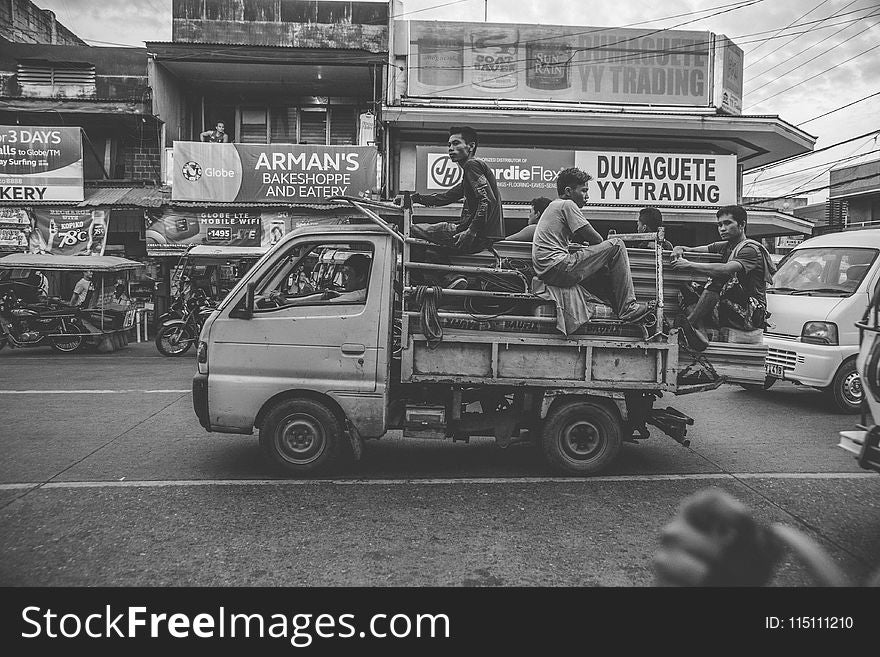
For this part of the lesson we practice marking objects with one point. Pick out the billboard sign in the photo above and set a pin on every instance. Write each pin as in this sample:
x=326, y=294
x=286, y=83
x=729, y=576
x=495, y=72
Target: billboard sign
x=283, y=173
x=521, y=173
x=40, y=164
x=728, y=76
x=171, y=231
x=558, y=63
x=688, y=179
x=69, y=231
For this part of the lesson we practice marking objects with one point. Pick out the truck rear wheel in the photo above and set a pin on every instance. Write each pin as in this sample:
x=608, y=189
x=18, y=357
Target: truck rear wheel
x=580, y=437
x=301, y=436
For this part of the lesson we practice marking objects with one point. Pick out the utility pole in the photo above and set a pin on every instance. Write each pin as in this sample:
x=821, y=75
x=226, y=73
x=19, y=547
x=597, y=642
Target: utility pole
x=485, y=11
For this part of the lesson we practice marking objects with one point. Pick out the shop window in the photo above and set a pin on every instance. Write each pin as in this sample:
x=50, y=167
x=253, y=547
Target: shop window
x=313, y=126
x=283, y=125
x=318, y=274
x=343, y=126
x=260, y=10
x=55, y=78
x=254, y=128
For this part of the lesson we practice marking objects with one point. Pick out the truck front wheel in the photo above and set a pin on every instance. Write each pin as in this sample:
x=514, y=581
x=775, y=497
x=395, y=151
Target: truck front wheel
x=580, y=437
x=301, y=436
x=846, y=388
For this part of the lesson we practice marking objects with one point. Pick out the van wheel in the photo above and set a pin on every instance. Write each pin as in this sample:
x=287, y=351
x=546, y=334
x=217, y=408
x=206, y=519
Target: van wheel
x=846, y=388
x=302, y=436
x=580, y=437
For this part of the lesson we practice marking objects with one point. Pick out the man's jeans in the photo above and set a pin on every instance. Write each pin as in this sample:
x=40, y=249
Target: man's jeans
x=603, y=269
x=443, y=234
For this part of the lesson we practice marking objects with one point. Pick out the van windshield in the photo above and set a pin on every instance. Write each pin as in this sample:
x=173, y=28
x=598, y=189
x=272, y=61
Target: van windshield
x=823, y=271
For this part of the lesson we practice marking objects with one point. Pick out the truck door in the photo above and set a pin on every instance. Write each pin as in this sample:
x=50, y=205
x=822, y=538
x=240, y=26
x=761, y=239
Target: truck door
x=315, y=326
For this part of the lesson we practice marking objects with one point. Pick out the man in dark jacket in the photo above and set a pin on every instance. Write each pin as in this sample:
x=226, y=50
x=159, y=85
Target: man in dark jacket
x=481, y=222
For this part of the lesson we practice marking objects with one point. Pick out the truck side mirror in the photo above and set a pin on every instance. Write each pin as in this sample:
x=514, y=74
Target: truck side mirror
x=245, y=307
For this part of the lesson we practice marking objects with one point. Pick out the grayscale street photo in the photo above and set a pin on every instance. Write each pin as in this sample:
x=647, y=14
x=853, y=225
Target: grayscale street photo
x=424, y=293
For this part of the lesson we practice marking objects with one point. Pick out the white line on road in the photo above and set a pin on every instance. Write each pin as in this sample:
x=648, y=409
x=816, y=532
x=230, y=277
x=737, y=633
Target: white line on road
x=441, y=482
x=91, y=392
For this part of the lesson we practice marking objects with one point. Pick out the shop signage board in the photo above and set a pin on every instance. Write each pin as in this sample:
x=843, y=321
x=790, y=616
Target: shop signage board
x=689, y=179
x=171, y=231
x=619, y=178
x=15, y=225
x=521, y=173
x=284, y=173
x=728, y=86
x=559, y=63
x=69, y=231
x=40, y=163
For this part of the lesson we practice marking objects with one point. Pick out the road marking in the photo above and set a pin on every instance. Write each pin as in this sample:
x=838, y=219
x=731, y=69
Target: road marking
x=91, y=392
x=440, y=482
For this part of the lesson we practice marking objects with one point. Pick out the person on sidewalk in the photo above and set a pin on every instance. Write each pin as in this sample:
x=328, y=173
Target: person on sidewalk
x=745, y=260
x=563, y=223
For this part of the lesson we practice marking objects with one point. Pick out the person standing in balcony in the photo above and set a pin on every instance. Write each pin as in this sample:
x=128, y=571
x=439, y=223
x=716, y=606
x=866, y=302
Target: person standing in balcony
x=217, y=135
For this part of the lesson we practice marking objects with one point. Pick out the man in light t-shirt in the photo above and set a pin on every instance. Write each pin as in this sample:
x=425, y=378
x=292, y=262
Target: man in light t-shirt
x=563, y=223
x=81, y=289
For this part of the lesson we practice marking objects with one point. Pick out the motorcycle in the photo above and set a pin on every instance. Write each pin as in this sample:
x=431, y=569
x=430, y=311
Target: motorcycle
x=31, y=325
x=182, y=324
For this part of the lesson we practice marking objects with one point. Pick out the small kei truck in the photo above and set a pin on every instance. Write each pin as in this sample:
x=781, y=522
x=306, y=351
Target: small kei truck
x=318, y=368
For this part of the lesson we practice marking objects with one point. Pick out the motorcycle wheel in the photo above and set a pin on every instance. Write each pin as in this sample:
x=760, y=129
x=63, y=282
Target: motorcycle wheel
x=68, y=343
x=173, y=340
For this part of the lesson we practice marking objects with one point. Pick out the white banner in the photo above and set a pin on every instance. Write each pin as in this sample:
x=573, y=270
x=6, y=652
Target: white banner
x=659, y=179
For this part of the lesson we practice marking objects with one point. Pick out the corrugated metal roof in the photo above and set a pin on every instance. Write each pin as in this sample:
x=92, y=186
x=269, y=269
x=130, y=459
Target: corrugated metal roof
x=145, y=197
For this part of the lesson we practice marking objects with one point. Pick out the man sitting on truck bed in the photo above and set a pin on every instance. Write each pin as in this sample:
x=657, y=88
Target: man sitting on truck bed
x=481, y=222
x=563, y=223
x=747, y=266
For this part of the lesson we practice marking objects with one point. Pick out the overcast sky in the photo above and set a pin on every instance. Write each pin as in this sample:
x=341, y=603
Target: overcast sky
x=794, y=72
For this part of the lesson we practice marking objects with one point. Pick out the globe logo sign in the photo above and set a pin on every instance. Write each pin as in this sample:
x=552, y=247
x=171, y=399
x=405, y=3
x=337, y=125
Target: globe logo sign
x=192, y=171
x=443, y=173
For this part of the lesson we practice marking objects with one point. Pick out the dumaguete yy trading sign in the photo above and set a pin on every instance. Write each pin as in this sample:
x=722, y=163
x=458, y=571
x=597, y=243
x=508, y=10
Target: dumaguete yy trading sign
x=284, y=173
x=559, y=63
x=39, y=163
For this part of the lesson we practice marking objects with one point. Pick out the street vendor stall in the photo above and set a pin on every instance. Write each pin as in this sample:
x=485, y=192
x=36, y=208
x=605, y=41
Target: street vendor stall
x=106, y=313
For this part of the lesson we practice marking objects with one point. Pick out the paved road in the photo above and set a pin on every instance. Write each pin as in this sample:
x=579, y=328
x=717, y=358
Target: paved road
x=109, y=480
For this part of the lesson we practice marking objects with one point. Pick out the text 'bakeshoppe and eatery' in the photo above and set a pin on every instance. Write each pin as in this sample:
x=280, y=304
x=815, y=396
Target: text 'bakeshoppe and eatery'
x=655, y=117
x=240, y=199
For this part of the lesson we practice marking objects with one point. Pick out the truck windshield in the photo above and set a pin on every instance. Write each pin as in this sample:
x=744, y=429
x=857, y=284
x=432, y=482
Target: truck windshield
x=823, y=271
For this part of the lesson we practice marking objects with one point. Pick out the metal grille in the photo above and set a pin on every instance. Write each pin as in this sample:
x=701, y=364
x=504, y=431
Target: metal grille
x=788, y=359
x=50, y=76
x=781, y=336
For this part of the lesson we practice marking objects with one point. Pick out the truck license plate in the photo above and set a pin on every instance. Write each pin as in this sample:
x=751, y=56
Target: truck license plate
x=775, y=370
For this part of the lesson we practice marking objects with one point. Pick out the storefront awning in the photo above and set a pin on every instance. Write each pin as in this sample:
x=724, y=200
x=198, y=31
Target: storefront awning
x=69, y=263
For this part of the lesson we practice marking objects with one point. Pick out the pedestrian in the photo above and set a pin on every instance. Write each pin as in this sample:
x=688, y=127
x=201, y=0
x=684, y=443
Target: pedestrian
x=539, y=204
x=737, y=286
x=563, y=223
x=82, y=290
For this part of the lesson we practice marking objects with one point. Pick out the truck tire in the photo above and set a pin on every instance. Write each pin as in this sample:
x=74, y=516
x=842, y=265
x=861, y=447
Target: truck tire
x=580, y=437
x=846, y=388
x=302, y=436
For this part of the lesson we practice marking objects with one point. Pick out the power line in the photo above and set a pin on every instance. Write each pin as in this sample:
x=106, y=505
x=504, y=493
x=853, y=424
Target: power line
x=816, y=189
x=783, y=30
x=817, y=166
x=819, y=150
x=764, y=100
x=877, y=93
x=824, y=52
x=788, y=59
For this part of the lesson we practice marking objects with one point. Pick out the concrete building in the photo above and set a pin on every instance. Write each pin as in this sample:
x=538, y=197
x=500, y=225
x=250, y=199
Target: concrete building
x=21, y=21
x=620, y=103
x=857, y=187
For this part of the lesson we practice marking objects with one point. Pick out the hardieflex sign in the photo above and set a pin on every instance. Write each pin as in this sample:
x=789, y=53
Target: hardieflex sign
x=281, y=173
x=40, y=164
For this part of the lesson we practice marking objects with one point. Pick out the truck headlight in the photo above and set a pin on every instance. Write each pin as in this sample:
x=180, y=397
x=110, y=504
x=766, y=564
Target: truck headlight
x=819, y=333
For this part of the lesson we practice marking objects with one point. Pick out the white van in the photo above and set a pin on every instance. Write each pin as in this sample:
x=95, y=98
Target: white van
x=819, y=292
